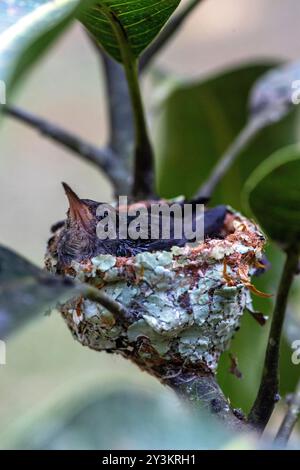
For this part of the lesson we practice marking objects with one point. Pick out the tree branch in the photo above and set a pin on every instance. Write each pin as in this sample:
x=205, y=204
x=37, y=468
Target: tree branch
x=268, y=393
x=104, y=158
x=247, y=134
x=290, y=419
x=123, y=100
x=121, y=313
x=204, y=392
x=167, y=33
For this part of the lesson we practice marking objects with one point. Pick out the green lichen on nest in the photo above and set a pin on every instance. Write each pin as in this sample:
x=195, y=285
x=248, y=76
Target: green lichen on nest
x=184, y=308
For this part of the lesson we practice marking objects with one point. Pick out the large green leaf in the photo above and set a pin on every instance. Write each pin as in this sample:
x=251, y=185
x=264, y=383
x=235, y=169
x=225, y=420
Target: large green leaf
x=272, y=193
x=276, y=92
x=132, y=24
x=27, y=28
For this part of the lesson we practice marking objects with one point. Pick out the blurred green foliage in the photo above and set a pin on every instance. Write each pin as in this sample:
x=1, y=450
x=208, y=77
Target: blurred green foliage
x=118, y=419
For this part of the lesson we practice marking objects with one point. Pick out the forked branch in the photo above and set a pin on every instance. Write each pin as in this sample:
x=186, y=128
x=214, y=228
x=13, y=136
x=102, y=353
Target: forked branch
x=167, y=33
x=143, y=186
x=247, y=134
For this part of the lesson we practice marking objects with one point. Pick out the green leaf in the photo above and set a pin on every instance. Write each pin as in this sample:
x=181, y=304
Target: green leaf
x=292, y=322
x=26, y=291
x=127, y=24
x=276, y=92
x=27, y=28
x=272, y=193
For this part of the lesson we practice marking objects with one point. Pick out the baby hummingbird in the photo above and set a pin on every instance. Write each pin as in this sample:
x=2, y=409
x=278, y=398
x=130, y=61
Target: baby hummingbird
x=78, y=239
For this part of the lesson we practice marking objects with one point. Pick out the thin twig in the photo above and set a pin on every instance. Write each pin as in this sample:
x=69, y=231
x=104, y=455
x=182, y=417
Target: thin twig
x=122, y=99
x=290, y=419
x=167, y=33
x=103, y=158
x=247, y=134
x=268, y=393
x=203, y=392
x=121, y=313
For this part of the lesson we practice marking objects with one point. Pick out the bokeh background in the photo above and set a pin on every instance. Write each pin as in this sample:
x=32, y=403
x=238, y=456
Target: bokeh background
x=47, y=371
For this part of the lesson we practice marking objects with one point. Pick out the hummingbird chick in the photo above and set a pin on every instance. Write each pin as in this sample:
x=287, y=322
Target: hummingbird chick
x=78, y=238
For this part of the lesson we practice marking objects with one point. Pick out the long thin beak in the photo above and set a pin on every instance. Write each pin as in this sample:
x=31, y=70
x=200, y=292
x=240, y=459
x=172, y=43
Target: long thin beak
x=79, y=211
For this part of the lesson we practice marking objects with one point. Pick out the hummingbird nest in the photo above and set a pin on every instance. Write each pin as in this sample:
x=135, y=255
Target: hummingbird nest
x=185, y=304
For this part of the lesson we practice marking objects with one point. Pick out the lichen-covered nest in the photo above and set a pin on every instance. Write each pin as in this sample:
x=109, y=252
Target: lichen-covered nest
x=185, y=304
